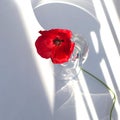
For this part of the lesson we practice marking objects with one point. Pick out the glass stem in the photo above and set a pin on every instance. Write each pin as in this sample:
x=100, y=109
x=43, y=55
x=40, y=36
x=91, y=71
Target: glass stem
x=109, y=89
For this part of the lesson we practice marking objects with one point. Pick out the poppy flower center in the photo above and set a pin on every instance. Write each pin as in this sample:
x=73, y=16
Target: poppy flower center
x=57, y=42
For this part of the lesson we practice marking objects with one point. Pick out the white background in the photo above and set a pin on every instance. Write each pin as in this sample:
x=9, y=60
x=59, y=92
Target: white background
x=27, y=84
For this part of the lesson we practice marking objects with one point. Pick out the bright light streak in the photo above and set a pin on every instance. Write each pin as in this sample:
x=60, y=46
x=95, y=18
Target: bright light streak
x=108, y=40
x=81, y=109
x=32, y=27
x=109, y=80
x=109, y=44
x=113, y=16
x=106, y=74
x=94, y=41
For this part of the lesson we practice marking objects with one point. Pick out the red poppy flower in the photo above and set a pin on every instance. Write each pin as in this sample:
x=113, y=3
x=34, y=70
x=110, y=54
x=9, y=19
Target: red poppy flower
x=55, y=44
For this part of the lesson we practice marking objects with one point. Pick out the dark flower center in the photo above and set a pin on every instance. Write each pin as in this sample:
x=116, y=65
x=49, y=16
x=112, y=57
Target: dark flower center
x=57, y=42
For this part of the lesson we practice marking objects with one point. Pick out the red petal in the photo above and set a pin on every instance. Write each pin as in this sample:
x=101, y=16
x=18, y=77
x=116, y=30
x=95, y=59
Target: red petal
x=61, y=55
x=42, y=48
x=58, y=53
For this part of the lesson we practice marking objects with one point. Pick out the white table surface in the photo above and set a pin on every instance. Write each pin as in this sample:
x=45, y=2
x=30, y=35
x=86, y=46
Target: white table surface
x=27, y=84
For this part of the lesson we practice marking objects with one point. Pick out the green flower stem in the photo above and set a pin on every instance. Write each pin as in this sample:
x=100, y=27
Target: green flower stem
x=110, y=90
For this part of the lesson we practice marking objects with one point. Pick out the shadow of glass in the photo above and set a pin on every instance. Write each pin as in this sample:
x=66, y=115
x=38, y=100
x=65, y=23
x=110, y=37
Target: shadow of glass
x=66, y=16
